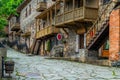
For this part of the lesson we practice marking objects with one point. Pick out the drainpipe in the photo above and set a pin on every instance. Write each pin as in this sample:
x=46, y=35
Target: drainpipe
x=84, y=40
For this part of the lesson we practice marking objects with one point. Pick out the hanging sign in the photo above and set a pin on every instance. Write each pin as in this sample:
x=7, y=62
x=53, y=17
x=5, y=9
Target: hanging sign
x=59, y=36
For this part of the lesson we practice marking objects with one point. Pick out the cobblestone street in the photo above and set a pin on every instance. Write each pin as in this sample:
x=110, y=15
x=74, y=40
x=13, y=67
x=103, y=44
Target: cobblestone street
x=38, y=68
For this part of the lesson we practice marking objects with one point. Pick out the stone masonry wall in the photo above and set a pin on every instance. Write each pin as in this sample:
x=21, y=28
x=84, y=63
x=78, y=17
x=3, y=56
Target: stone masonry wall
x=28, y=23
x=70, y=38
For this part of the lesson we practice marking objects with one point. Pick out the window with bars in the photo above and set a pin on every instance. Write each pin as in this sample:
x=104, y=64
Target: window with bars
x=105, y=1
x=26, y=12
x=29, y=9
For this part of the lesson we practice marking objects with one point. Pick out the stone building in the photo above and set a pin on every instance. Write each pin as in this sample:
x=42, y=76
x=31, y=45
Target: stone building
x=14, y=27
x=28, y=13
x=85, y=26
x=46, y=31
x=74, y=18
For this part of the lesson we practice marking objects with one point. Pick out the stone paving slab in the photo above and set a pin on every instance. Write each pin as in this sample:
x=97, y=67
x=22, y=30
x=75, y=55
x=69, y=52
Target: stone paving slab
x=39, y=68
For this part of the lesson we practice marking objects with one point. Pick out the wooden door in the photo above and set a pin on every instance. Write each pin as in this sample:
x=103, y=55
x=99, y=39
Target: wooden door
x=105, y=49
x=81, y=46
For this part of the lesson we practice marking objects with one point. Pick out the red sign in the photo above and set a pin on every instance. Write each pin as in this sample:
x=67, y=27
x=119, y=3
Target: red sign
x=59, y=36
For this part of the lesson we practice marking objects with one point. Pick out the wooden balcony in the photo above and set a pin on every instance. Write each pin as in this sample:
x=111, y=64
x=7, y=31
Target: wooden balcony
x=26, y=34
x=79, y=14
x=15, y=27
x=41, y=6
x=47, y=32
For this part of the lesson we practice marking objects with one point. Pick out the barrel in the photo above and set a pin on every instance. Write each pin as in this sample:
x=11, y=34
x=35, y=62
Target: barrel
x=9, y=66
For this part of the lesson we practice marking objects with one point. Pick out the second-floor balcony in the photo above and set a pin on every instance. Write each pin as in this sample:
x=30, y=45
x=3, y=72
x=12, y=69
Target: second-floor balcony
x=46, y=32
x=74, y=15
x=15, y=27
x=41, y=6
x=26, y=34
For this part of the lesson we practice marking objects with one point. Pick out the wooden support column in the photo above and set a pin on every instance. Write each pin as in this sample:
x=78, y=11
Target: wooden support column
x=55, y=13
x=48, y=22
x=64, y=11
x=84, y=3
x=51, y=21
x=36, y=26
x=73, y=8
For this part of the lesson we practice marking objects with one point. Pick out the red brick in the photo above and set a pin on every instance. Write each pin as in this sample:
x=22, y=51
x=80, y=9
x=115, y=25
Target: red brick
x=114, y=34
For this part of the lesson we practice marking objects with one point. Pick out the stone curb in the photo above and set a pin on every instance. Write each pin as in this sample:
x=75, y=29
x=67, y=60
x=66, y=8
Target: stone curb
x=93, y=62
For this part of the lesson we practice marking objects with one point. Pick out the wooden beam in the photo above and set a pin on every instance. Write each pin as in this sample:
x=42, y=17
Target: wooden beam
x=84, y=3
x=51, y=15
x=64, y=10
x=47, y=19
x=73, y=8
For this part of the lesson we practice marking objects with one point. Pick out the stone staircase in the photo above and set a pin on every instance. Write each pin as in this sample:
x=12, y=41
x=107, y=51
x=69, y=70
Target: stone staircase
x=99, y=31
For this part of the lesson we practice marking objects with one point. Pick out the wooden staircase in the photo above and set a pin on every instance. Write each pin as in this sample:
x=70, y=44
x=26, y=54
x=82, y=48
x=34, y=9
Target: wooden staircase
x=99, y=32
x=35, y=47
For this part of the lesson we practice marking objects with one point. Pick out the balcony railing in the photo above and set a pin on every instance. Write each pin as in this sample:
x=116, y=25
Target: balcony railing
x=15, y=27
x=46, y=32
x=81, y=14
x=26, y=34
x=100, y=23
x=41, y=6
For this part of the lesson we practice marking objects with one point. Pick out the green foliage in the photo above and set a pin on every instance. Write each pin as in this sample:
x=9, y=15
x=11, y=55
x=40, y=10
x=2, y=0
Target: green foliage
x=7, y=7
x=2, y=34
x=113, y=73
x=48, y=46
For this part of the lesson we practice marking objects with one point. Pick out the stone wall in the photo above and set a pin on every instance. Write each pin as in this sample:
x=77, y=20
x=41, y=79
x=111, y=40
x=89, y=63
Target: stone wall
x=69, y=41
x=29, y=23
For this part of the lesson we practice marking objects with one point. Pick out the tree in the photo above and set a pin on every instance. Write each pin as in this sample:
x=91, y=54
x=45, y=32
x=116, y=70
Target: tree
x=7, y=7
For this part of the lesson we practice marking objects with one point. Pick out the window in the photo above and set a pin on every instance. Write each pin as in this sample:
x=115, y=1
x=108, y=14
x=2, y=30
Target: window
x=105, y=1
x=69, y=5
x=37, y=1
x=78, y=3
x=29, y=9
x=106, y=45
x=44, y=0
x=26, y=12
x=81, y=41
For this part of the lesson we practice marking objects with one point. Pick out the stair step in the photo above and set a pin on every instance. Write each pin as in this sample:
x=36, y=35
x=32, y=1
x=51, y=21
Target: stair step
x=96, y=33
x=102, y=22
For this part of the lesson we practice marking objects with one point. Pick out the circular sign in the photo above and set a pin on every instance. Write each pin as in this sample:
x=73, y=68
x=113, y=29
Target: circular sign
x=59, y=36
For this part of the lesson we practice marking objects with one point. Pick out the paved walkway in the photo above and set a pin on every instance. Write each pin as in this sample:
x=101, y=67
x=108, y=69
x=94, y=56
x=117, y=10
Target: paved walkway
x=38, y=68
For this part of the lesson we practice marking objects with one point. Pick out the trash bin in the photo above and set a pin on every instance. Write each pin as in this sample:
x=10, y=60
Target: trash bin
x=3, y=52
x=9, y=67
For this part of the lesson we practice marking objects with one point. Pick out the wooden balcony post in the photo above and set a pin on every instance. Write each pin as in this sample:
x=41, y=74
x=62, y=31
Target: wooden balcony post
x=64, y=10
x=47, y=18
x=84, y=3
x=73, y=8
x=51, y=17
x=36, y=25
x=55, y=13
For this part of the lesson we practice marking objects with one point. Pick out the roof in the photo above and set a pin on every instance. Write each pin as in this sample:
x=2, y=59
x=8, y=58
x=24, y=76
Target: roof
x=25, y=2
x=48, y=9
